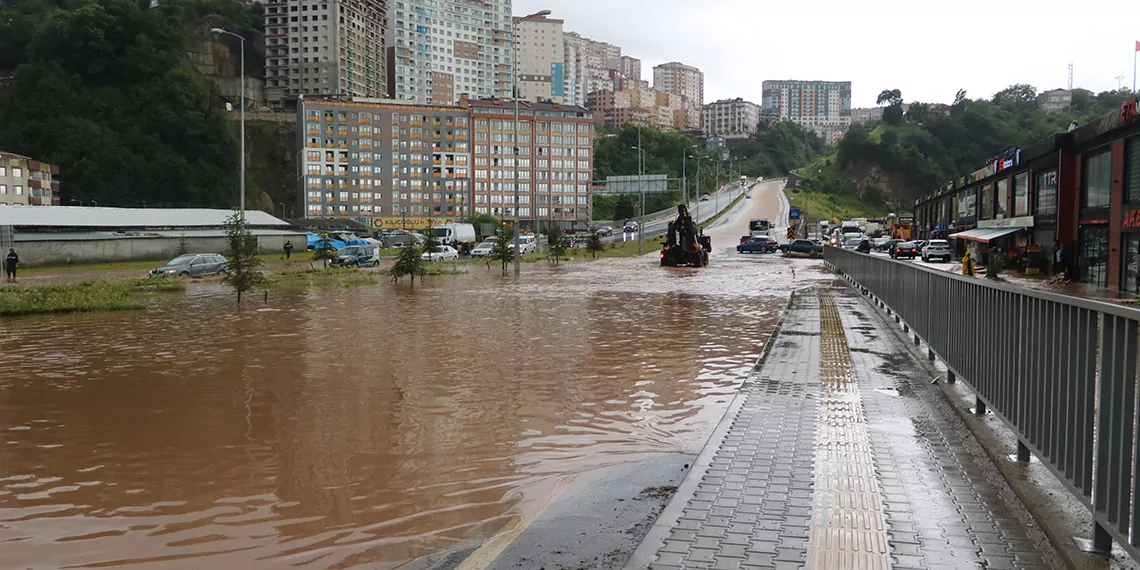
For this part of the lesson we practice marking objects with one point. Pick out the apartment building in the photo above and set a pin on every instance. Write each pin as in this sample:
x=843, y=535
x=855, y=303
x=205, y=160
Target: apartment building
x=730, y=118
x=542, y=51
x=591, y=66
x=822, y=106
x=631, y=68
x=684, y=80
x=27, y=182
x=866, y=115
x=324, y=48
x=384, y=163
x=1055, y=100
x=555, y=162
x=440, y=49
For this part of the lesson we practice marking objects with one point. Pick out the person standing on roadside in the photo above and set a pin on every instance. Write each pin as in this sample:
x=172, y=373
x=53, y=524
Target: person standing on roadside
x=288, y=249
x=11, y=264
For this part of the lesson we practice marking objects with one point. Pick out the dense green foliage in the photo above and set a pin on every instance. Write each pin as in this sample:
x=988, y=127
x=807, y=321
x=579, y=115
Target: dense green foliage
x=907, y=155
x=777, y=149
x=104, y=88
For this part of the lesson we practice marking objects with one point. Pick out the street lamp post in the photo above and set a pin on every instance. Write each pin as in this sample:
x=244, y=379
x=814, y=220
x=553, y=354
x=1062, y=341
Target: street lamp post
x=697, y=210
x=641, y=191
x=241, y=183
x=515, y=80
x=684, y=177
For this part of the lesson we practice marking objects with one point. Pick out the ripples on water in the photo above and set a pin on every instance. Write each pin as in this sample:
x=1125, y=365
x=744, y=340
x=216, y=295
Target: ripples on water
x=356, y=427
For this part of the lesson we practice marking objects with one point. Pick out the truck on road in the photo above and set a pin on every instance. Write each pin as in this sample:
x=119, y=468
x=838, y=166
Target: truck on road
x=455, y=234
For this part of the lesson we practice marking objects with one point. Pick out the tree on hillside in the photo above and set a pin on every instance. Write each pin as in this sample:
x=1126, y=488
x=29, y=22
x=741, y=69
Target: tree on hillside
x=918, y=113
x=892, y=98
x=1017, y=97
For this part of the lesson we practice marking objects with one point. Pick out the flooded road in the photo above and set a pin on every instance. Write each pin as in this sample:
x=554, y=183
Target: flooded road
x=359, y=427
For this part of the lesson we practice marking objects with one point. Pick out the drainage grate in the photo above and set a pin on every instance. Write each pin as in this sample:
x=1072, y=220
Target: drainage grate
x=848, y=526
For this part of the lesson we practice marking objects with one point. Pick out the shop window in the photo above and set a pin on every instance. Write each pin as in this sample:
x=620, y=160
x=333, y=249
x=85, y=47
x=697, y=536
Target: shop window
x=1097, y=176
x=1021, y=194
x=1132, y=170
x=1094, y=255
x=987, y=197
x=1046, y=193
x=1131, y=264
x=1002, y=198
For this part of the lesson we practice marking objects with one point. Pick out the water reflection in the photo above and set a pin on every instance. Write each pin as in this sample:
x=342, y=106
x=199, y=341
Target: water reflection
x=345, y=428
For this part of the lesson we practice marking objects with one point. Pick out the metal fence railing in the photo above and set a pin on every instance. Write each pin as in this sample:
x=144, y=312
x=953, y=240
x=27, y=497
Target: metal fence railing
x=1045, y=364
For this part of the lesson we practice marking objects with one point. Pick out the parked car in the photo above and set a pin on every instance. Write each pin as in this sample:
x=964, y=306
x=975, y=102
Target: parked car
x=483, y=249
x=605, y=231
x=629, y=227
x=192, y=265
x=905, y=249
x=759, y=245
x=529, y=244
x=446, y=252
x=358, y=255
x=937, y=249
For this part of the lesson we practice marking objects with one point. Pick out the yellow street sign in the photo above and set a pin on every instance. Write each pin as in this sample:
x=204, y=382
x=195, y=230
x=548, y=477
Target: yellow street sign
x=409, y=223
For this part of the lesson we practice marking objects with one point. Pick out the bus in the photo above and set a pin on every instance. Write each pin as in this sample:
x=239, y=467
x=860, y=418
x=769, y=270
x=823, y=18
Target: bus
x=759, y=226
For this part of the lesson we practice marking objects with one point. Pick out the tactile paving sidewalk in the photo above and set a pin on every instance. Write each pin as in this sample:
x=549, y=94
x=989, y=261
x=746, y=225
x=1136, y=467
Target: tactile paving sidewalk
x=843, y=457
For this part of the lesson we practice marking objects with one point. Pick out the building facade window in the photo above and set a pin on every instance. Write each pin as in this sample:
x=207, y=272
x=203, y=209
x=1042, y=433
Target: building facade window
x=1130, y=270
x=1002, y=198
x=1045, y=192
x=1132, y=170
x=1021, y=194
x=1096, y=180
x=987, y=197
x=1094, y=255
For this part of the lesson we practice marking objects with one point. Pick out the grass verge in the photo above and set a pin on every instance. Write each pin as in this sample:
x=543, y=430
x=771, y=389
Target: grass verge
x=83, y=296
x=831, y=206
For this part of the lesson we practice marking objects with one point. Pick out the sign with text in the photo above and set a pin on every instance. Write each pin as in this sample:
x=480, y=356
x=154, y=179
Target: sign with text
x=409, y=223
x=1022, y=222
x=1130, y=109
x=1131, y=219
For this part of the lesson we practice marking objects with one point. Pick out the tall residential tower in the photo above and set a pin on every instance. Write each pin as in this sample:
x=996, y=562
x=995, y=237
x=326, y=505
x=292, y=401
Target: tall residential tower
x=684, y=80
x=324, y=48
x=542, y=54
x=822, y=106
x=440, y=49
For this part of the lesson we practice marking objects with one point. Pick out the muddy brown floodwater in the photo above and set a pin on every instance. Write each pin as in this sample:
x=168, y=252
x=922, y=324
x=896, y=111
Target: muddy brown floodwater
x=359, y=427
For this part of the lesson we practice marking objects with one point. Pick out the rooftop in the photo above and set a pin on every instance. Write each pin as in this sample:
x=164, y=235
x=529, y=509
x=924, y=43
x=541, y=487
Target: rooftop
x=97, y=217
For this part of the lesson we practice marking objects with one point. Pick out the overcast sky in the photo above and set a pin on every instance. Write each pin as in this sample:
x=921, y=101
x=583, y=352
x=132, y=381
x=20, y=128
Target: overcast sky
x=925, y=49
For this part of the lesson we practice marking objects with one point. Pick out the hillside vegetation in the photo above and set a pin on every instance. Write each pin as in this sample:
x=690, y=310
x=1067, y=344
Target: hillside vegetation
x=910, y=153
x=104, y=88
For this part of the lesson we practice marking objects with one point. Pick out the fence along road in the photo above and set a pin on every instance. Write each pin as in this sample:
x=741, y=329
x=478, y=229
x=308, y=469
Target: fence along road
x=1032, y=358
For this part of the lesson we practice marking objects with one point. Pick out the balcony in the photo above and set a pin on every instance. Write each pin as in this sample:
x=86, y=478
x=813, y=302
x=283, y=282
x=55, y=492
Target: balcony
x=314, y=131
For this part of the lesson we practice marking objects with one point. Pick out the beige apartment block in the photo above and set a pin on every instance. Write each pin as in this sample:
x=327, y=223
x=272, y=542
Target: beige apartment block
x=27, y=182
x=542, y=53
x=684, y=80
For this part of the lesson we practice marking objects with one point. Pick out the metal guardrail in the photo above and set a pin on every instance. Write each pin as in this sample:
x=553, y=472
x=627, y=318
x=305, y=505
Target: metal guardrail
x=1045, y=364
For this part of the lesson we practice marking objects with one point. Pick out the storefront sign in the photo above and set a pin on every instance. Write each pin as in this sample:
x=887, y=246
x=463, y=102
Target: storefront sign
x=411, y=223
x=1131, y=219
x=1022, y=222
x=1130, y=109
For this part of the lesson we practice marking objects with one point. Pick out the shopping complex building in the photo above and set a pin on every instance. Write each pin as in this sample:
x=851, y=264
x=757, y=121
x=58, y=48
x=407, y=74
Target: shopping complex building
x=1078, y=191
x=391, y=164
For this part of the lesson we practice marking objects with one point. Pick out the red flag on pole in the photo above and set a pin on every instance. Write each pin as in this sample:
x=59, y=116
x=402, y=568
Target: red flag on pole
x=1138, y=45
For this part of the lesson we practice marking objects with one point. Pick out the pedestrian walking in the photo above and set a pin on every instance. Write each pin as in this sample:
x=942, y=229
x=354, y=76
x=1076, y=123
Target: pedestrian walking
x=11, y=264
x=967, y=265
x=288, y=249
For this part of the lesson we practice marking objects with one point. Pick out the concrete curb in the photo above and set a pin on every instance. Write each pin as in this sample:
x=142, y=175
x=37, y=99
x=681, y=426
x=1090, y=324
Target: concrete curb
x=654, y=540
x=1058, y=515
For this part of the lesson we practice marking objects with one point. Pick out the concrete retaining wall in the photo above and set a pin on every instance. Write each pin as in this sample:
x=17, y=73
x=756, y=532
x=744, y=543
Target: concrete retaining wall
x=37, y=252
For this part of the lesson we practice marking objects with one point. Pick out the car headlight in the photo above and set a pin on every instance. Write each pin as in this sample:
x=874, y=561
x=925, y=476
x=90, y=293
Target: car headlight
x=171, y=271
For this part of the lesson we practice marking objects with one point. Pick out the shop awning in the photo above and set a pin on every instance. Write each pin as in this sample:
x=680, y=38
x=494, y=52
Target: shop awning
x=984, y=234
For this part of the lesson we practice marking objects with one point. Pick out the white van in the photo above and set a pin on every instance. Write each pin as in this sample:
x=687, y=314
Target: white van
x=528, y=244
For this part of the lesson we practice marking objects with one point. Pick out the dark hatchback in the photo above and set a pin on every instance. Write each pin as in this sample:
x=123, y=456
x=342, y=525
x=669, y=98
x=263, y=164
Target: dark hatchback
x=905, y=249
x=759, y=245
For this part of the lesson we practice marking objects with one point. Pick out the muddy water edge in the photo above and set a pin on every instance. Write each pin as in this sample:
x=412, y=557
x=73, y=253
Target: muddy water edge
x=361, y=427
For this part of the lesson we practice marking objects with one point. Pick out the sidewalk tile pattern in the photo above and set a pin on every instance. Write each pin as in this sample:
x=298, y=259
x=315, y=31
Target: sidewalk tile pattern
x=871, y=453
x=848, y=527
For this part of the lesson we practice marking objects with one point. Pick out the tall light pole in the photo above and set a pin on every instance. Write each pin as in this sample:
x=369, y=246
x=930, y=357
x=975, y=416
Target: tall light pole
x=241, y=184
x=684, y=175
x=515, y=78
x=697, y=210
x=641, y=191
